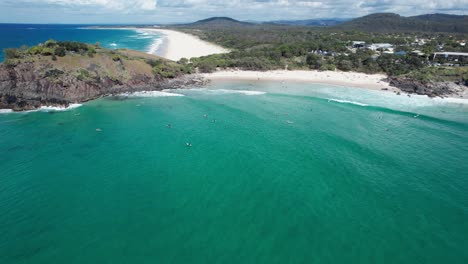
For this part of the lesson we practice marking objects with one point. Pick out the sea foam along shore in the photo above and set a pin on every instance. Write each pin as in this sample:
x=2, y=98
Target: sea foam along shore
x=353, y=79
x=177, y=45
x=44, y=108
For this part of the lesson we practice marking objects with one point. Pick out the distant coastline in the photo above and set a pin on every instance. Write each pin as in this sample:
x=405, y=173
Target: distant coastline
x=177, y=45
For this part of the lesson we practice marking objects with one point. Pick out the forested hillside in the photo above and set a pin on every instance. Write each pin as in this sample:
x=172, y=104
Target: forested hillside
x=389, y=22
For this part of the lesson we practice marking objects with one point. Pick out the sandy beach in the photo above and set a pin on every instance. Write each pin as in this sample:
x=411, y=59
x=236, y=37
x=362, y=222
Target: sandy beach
x=354, y=79
x=178, y=45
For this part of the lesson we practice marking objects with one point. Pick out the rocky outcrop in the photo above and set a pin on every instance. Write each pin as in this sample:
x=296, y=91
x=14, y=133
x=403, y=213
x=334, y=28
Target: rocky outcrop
x=431, y=89
x=30, y=85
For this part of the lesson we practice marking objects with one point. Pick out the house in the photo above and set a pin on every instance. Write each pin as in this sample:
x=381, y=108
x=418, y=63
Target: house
x=359, y=44
x=377, y=46
x=419, y=42
x=452, y=56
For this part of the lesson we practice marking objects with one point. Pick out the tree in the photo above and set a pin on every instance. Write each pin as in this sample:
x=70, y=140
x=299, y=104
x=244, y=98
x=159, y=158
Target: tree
x=154, y=63
x=35, y=50
x=50, y=43
x=314, y=61
x=47, y=51
x=183, y=61
x=345, y=65
x=60, y=51
x=12, y=53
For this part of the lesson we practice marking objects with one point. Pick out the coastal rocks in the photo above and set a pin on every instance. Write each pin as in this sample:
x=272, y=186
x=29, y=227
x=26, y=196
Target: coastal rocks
x=431, y=89
x=28, y=86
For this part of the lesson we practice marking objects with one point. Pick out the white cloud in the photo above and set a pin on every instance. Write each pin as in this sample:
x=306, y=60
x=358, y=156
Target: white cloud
x=189, y=10
x=113, y=5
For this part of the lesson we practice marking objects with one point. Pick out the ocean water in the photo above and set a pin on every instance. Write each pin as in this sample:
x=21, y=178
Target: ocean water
x=276, y=173
x=16, y=35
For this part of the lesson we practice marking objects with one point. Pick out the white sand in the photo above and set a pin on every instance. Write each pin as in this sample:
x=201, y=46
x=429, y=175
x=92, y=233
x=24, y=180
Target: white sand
x=354, y=79
x=178, y=45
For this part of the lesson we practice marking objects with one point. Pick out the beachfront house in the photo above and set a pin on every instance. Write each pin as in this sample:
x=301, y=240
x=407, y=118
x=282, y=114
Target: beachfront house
x=378, y=46
x=458, y=58
x=359, y=44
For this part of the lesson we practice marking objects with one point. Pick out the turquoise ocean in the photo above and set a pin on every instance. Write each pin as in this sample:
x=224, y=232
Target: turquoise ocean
x=16, y=35
x=275, y=173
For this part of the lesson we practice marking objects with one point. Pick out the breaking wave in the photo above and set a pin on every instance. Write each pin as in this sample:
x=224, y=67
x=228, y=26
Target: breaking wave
x=5, y=111
x=57, y=108
x=151, y=94
x=154, y=47
x=44, y=109
x=346, y=102
x=224, y=91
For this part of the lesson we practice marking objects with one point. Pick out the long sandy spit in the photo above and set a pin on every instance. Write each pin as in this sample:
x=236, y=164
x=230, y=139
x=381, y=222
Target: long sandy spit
x=178, y=45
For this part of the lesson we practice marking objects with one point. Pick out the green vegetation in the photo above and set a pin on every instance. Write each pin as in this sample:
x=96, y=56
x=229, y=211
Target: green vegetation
x=51, y=48
x=83, y=75
x=169, y=70
x=441, y=74
x=271, y=47
x=389, y=22
x=161, y=68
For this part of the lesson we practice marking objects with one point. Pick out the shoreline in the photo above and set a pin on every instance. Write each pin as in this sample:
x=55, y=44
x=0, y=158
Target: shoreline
x=337, y=78
x=177, y=45
x=376, y=82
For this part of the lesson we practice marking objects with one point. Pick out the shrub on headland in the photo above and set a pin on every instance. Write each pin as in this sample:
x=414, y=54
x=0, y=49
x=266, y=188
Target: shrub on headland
x=51, y=48
x=60, y=51
x=12, y=53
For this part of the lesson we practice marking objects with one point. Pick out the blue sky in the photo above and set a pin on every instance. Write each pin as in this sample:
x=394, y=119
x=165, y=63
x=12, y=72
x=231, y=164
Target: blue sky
x=170, y=11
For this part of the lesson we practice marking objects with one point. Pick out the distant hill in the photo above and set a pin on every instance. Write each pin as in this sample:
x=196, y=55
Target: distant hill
x=389, y=22
x=219, y=22
x=309, y=22
x=378, y=22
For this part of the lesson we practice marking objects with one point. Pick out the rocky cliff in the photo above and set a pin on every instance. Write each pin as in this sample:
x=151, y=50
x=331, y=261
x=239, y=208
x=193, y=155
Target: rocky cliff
x=32, y=81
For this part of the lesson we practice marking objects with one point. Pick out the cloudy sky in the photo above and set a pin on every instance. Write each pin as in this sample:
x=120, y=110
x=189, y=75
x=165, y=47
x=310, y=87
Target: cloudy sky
x=170, y=11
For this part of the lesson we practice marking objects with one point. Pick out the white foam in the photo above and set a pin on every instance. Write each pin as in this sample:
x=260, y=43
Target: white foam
x=450, y=100
x=148, y=34
x=224, y=91
x=44, y=109
x=142, y=37
x=151, y=94
x=346, y=102
x=247, y=92
x=5, y=111
x=58, y=108
x=154, y=47
x=113, y=44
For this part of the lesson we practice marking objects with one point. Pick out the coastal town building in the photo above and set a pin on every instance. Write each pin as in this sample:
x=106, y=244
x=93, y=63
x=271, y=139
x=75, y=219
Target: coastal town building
x=377, y=46
x=452, y=56
x=359, y=44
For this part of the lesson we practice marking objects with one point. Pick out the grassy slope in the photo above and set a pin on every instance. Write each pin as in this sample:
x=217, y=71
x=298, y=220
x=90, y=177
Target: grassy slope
x=121, y=65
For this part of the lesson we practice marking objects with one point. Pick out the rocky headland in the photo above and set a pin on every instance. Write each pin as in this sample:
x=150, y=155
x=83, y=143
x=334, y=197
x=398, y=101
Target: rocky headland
x=430, y=88
x=59, y=74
